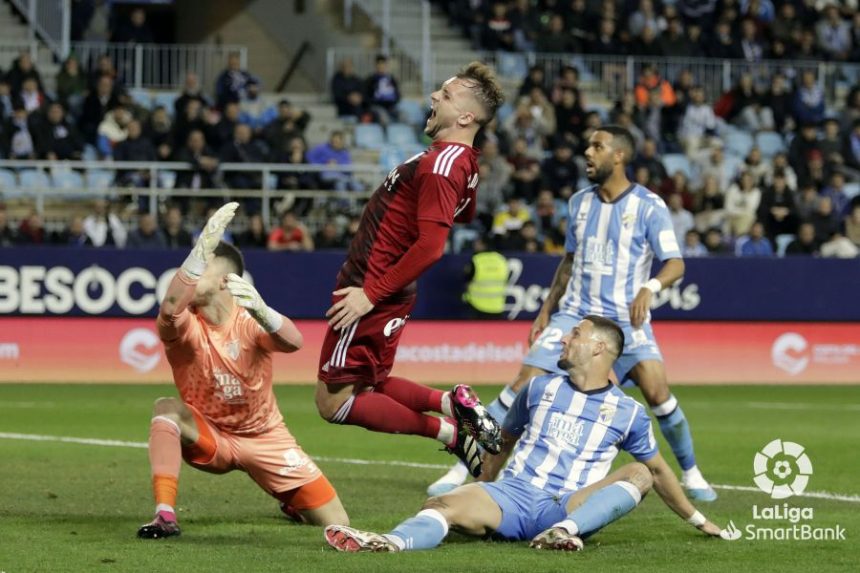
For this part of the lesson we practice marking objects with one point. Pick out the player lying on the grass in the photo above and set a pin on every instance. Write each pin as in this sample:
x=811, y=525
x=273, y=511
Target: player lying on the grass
x=614, y=231
x=219, y=337
x=403, y=231
x=564, y=432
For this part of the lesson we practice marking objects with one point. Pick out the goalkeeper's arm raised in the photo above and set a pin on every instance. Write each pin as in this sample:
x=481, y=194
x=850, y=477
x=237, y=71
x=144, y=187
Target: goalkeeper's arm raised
x=282, y=334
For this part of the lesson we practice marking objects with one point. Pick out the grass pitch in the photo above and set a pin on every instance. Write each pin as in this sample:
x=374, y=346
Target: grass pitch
x=76, y=507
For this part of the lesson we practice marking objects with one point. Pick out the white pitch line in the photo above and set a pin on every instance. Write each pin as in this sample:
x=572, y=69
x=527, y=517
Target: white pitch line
x=793, y=406
x=356, y=461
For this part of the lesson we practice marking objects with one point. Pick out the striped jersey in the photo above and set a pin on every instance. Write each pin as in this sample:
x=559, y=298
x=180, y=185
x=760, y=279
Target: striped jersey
x=568, y=438
x=613, y=246
x=438, y=185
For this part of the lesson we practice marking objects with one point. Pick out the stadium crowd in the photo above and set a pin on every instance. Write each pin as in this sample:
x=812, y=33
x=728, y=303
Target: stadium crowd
x=765, y=167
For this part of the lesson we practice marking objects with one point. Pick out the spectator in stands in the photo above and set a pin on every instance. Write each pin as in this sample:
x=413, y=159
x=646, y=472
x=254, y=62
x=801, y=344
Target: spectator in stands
x=351, y=229
x=682, y=220
x=825, y=220
x=695, y=42
x=643, y=17
x=836, y=191
x=221, y=132
x=699, y=122
x=647, y=158
x=755, y=164
x=786, y=27
x=807, y=201
x=851, y=152
x=203, y=161
x=710, y=205
x=570, y=116
x=71, y=83
x=8, y=237
x=135, y=147
x=96, y=105
x=31, y=96
x=328, y=238
x=232, y=82
x=852, y=225
x=779, y=100
x=243, y=149
x=692, y=246
x=723, y=45
x=579, y=23
x=56, y=137
x=673, y=43
x=175, y=234
x=650, y=81
x=18, y=139
x=831, y=145
x=530, y=124
x=527, y=26
x=31, y=231
x=536, y=78
x=291, y=235
x=834, y=34
x=494, y=182
x=755, y=244
x=757, y=117
x=159, y=131
x=777, y=210
x=526, y=170
x=642, y=177
x=815, y=173
x=568, y=79
x=6, y=99
x=548, y=212
x=741, y=204
x=559, y=172
x=839, y=246
x=805, y=243
x=134, y=30
x=382, y=91
x=851, y=110
x=190, y=90
x=751, y=46
x=779, y=164
x=147, y=235
x=509, y=220
x=808, y=104
x=606, y=41
x=344, y=82
x=23, y=69
x=334, y=153
x=715, y=243
x=192, y=120
x=357, y=109
x=255, y=236
x=103, y=227
x=296, y=154
x=555, y=39
x=72, y=235
x=112, y=130
x=677, y=184
x=253, y=109
x=498, y=31
x=802, y=147
x=290, y=122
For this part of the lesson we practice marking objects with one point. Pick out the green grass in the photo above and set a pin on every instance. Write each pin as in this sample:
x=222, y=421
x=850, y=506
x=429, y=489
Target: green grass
x=72, y=507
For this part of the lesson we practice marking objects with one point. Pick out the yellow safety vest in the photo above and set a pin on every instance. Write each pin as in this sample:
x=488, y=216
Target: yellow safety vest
x=486, y=291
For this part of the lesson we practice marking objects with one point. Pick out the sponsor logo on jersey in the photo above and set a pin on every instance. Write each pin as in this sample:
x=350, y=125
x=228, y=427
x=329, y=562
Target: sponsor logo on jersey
x=394, y=325
x=565, y=429
x=233, y=347
x=228, y=387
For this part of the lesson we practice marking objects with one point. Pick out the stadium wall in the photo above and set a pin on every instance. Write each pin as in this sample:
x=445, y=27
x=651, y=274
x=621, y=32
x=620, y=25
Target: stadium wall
x=86, y=315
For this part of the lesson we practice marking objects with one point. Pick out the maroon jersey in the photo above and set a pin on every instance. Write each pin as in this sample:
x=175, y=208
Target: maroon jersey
x=437, y=185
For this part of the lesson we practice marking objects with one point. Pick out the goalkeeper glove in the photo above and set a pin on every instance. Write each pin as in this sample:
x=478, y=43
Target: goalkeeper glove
x=210, y=236
x=247, y=296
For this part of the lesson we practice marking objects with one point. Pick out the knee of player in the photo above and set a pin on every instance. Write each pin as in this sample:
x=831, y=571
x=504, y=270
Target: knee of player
x=167, y=407
x=326, y=408
x=640, y=476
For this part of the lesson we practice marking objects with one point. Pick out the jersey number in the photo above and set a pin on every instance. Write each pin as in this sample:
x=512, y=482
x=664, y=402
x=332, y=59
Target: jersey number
x=549, y=338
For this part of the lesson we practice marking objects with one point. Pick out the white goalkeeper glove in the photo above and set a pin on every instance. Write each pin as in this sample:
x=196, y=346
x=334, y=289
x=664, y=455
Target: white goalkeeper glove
x=247, y=296
x=210, y=236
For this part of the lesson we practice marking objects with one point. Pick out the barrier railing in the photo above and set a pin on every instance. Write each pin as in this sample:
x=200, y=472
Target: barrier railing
x=51, y=20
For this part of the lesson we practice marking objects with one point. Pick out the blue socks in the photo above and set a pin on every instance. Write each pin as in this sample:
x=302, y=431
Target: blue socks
x=424, y=531
x=499, y=407
x=602, y=508
x=676, y=430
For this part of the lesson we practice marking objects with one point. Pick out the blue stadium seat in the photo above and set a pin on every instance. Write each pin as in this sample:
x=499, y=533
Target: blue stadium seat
x=412, y=112
x=164, y=99
x=9, y=184
x=677, y=162
x=63, y=178
x=770, y=143
x=512, y=65
x=34, y=179
x=390, y=157
x=851, y=190
x=400, y=134
x=369, y=136
x=141, y=97
x=167, y=179
x=782, y=242
x=99, y=179
x=90, y=153
x=504, y=113
x=739, y=143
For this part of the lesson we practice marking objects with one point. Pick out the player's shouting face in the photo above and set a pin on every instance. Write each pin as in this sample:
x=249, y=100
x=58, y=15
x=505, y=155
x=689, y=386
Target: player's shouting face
x=451, y=106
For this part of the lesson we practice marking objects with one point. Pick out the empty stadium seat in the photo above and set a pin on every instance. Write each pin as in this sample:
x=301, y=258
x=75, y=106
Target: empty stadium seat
x=90, y=153
x=9, y=184
x=34, y=179
x=739, y=143
x=99, y=179
x=770, y=143
x=165, y=100
x=141, y=97
x=512, y=65
x=851, y=190
x=369, y=136
x=504, y=112
x=400, y=134
x=167, y=179
x=782, y=242
x=390, y=157
x=677, y=162
x=66, y=179
x=412, y=112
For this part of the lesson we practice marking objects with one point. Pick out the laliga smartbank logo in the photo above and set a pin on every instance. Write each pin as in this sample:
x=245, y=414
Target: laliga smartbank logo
x=782, y=469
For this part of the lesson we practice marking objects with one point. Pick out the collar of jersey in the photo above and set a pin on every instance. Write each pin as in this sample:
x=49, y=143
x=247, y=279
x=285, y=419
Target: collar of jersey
x=617, y=199
x=592, y=391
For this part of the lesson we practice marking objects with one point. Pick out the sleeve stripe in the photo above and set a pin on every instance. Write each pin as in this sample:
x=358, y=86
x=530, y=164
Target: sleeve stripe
x=446, y=159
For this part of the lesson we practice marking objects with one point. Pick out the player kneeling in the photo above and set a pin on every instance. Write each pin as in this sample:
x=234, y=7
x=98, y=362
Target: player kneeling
x=564, y=432
x=219, y=337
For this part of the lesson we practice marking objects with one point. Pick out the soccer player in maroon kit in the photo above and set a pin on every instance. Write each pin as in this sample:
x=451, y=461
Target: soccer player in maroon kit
x=403, y=231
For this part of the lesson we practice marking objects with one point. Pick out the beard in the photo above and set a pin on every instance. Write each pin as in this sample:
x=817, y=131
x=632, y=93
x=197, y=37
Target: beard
x=601, y=174
x=564, y=364
x=432, y=130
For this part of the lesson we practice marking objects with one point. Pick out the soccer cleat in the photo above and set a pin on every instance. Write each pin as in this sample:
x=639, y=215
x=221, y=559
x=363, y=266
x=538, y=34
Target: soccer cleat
x=351, y=540
x=472, y=415
x=558, y=539
x=159, y=528
x=466, y=448
x=706, y=493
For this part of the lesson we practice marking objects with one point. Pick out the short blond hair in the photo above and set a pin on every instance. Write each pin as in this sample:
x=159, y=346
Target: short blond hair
x=485, y=87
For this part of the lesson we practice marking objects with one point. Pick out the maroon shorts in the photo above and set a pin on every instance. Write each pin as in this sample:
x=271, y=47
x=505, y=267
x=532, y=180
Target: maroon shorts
x=363, y=353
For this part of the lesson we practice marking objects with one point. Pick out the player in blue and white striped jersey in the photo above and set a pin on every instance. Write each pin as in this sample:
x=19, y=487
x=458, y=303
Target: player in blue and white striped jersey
x=562, y=433
x=615, y=230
